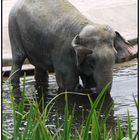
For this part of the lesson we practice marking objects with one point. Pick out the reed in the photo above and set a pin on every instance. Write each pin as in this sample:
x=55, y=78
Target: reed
x=35, y=128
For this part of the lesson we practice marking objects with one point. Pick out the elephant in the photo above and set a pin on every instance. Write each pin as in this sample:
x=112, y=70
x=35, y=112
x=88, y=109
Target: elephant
x=55, y=37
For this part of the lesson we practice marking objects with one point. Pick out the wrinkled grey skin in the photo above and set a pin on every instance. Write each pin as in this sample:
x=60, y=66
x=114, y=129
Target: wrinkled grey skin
x=56, y=37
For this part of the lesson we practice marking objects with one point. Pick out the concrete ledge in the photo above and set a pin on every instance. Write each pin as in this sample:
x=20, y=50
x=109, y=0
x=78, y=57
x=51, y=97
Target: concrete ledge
x=28, y=68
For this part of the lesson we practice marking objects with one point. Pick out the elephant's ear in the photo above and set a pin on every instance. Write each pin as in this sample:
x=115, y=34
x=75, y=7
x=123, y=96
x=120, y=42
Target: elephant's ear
x=125, y=50
x=81, y=51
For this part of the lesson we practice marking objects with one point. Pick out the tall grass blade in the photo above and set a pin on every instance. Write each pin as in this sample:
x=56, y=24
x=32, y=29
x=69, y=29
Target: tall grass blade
x=81, y=129
x=107, y=112
x=38, y=116
x=20, y=110
x=71, y=118
x=135, y=136
x=77, y=135
x=100, y=95
x=66, y=126
x=136, y=103
x=45, y=133
x=102, y=102
x=57, y=134
x=113, y=136
x=45, y=111
x=119, y=133
x=7, y=103
x=129, y=125
x=30, y=124
x=87, y=127
x=105, y=132
x=96, y=127
x=13, y=112
x=46, y=114
x=5, y=134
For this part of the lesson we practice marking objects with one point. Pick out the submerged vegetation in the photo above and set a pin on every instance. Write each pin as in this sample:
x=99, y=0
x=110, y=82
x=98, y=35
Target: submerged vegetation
x=36, y=129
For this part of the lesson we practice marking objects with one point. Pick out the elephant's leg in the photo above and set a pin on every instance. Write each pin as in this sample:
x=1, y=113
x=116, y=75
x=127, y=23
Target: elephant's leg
x=18, y=54
x=41, y=77
x=15, y=73
x=67, y=81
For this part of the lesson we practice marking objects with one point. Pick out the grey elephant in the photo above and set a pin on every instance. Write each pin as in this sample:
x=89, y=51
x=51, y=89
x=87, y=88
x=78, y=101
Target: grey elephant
x=56, y=37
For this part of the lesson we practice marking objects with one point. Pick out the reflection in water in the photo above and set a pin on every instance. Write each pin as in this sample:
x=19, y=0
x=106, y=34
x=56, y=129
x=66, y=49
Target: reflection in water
x=124, y=86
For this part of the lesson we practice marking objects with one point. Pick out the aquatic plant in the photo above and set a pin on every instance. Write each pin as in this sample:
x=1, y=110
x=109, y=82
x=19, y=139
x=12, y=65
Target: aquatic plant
x=36, y=129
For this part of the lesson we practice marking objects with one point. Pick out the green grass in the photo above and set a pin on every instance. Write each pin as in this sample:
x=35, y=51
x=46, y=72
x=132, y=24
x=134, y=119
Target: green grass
x=35, y=129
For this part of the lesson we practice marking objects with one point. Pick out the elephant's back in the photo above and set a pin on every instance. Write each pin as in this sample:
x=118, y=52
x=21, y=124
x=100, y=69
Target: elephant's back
x=48, y=14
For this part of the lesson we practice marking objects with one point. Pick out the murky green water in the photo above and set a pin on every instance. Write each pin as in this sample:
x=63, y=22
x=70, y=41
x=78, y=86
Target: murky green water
x=123, y=89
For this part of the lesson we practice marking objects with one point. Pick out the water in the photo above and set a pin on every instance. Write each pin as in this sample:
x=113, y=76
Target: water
x=123, y=89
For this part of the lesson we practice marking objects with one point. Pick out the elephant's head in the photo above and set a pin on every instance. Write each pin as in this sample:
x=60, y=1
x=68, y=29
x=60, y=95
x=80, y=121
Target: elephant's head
x=97, y=48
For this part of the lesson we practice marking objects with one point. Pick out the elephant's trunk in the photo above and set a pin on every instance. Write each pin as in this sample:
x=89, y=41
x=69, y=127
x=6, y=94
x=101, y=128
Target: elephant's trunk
x=133, y=41
x=102, y=79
